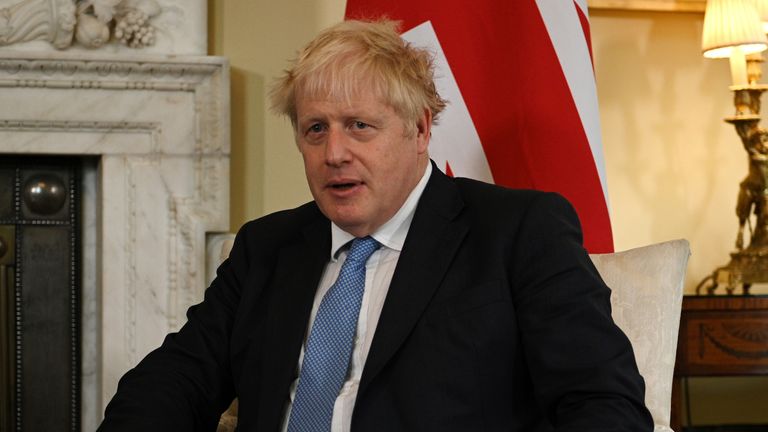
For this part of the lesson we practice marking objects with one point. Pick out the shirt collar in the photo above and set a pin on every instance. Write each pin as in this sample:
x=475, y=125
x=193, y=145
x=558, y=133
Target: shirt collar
x=392, y=234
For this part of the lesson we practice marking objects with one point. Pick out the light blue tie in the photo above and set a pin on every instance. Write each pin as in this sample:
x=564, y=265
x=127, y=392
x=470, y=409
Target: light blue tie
x=329, y=347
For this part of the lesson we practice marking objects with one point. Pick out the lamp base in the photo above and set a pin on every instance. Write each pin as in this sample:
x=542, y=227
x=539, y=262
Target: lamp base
x=747, y=267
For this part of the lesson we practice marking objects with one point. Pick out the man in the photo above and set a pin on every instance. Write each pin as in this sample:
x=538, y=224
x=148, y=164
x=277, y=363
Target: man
x=399, y=299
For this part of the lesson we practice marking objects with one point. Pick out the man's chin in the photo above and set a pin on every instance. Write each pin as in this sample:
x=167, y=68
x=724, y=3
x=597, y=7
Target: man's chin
x=355, y=225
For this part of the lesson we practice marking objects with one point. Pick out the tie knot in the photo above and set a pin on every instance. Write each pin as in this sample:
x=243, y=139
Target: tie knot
x=362, y=248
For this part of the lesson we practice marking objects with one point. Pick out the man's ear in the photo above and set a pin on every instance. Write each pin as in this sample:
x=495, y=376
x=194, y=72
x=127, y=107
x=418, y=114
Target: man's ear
x=424, y=130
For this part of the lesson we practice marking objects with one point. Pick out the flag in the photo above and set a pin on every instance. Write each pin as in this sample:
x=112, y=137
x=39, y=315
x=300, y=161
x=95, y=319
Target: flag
x=523, y=104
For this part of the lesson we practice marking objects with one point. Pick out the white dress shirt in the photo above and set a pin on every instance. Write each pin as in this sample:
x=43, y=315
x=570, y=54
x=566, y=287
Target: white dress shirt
x=378, y=274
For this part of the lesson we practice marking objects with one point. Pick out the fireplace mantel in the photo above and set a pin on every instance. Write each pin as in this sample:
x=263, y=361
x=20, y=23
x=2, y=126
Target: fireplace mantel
x=159, y=128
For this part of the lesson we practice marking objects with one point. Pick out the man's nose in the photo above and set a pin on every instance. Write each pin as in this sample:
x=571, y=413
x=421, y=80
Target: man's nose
x=337, y=147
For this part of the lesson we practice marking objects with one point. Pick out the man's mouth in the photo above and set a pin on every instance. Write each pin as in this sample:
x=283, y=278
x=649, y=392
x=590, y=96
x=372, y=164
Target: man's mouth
x=343, y=186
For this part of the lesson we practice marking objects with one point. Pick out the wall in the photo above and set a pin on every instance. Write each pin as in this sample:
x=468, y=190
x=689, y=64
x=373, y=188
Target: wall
x=673, y=164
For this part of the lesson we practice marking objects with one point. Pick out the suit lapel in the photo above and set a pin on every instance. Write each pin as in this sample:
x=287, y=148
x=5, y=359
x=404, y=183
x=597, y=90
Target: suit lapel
x=299, y=268
x=433, y=239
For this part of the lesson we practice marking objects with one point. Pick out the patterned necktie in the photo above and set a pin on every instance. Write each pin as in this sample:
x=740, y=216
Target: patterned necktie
x=329, y=347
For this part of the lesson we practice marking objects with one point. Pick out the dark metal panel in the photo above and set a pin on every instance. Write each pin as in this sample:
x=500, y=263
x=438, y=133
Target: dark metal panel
x=45, y=328
x=7, y=327
x=40, y=204
x=6, y=192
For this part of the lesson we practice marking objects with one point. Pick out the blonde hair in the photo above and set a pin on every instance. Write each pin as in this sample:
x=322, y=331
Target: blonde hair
x=355, y=54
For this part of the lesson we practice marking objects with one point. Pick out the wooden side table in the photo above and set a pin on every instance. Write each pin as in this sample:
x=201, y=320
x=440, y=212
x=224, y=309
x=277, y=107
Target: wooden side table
x=720, y=336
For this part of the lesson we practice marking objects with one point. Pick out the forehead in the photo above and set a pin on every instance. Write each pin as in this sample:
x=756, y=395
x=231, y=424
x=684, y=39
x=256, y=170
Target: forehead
x=351, y=101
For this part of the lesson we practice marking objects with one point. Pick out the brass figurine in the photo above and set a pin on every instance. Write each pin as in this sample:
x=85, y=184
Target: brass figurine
x=748, y=265
x=752, y=190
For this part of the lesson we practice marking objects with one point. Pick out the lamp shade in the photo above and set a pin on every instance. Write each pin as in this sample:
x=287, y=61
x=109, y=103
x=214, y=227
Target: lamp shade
x=729, y=24
x=762, y=12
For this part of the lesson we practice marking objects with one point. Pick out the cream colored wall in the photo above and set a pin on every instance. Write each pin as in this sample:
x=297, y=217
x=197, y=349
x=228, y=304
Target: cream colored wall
x=673, y=164
x=258, y=37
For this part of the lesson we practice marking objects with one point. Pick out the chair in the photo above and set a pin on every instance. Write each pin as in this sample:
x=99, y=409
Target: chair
x=647, y=297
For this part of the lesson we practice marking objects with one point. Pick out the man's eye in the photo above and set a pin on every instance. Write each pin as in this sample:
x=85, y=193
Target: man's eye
x=315, y=128
x=361, y=125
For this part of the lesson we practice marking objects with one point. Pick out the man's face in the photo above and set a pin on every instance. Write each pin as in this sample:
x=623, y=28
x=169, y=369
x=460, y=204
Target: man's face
x=360, y=160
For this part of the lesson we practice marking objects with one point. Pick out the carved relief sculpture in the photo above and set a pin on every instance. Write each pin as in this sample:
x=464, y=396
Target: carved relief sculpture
x=50, y=20
x=92, y=22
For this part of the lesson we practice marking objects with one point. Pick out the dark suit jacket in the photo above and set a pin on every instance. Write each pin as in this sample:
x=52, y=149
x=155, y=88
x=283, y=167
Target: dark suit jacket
x=495, y=320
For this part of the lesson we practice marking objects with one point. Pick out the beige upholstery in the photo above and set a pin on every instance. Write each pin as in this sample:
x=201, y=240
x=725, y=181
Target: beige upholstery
x=647, y=296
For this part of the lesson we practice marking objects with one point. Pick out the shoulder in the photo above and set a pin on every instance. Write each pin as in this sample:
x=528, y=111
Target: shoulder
x=492, y=201
x=280, y=228
x=302, y=215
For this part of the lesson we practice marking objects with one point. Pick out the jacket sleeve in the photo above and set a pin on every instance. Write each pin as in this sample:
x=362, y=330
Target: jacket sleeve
x=582, y=365
x=186, y=383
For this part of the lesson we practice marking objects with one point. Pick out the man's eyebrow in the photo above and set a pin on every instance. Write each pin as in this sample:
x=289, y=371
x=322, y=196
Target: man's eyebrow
x=311, y=118
x=368, y=114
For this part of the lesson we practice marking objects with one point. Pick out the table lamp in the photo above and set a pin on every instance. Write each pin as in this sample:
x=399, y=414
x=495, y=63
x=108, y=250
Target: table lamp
x=733, y=30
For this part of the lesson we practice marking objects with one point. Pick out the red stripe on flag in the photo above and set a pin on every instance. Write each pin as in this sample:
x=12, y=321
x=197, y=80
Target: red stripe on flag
x=511, y=80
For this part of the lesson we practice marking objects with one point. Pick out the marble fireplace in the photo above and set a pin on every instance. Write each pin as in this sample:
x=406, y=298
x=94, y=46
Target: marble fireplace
x=153, y=128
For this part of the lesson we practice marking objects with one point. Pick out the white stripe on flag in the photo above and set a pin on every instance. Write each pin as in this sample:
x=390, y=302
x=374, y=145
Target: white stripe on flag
x=567, y=36
x=455, y=139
